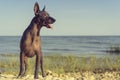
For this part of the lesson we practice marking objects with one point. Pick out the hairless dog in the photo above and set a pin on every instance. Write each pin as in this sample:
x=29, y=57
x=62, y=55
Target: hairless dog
x=30, y=44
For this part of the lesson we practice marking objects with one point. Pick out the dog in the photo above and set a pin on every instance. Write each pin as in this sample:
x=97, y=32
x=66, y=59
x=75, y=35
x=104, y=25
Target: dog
x=30, y=44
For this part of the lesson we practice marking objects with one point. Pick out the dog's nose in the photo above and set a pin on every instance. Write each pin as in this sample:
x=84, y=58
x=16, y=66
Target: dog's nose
x=52, y=20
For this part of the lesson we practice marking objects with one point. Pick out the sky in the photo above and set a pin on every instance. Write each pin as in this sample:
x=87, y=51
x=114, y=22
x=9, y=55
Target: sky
x=73, y=17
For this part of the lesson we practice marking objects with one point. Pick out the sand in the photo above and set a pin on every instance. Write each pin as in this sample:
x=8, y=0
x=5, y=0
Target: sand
x=115, y=75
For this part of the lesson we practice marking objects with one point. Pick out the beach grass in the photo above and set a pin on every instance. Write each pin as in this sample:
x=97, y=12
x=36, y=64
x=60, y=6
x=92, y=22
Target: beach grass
x=9, y=64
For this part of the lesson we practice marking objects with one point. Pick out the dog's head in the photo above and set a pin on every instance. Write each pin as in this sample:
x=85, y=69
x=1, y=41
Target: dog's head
x=43, y=17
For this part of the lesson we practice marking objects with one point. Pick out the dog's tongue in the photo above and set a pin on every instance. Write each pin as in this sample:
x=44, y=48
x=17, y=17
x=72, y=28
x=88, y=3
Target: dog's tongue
x=51, y=26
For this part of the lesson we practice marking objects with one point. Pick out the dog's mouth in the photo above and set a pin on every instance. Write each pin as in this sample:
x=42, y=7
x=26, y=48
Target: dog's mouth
x=50, y=26
x=49, y=22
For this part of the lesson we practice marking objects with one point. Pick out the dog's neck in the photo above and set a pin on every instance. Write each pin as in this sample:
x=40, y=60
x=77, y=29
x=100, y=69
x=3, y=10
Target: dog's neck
x=35, y=23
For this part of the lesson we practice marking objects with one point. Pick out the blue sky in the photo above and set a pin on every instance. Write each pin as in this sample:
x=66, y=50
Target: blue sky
x=73, y=17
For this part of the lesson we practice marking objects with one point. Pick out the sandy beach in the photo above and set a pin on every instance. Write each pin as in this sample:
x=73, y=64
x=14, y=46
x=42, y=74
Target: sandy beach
x=68, y=76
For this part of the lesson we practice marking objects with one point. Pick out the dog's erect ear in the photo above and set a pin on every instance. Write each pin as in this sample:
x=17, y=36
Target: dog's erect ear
x=36, y=8
x=43, y=8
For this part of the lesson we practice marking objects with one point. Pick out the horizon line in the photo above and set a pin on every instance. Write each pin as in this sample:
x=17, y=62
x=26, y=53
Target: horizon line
x=63, y=35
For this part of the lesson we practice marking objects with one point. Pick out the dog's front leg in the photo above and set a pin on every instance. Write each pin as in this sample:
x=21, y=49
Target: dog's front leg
x=26, y=66
x=41, y=66
x=21, y=73
x=37, y=66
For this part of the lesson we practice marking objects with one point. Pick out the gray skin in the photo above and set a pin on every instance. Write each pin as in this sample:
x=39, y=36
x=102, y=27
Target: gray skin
x=30, y=43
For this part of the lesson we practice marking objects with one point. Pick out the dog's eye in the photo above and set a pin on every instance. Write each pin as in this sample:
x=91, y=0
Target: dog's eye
x=45, y=15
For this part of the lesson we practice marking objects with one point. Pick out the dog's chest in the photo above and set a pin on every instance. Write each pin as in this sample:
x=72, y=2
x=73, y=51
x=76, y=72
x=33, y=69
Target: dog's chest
x=36, y=42
x=35, y=39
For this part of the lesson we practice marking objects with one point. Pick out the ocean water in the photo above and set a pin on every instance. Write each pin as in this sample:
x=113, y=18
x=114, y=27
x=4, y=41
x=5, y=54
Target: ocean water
x=75, y=45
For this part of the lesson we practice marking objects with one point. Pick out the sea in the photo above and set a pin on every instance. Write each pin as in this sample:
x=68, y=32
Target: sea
x=64, y=45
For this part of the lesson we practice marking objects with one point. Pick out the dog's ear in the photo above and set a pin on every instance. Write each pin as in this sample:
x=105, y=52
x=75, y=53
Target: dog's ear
x=36, y=8
x=43, y=8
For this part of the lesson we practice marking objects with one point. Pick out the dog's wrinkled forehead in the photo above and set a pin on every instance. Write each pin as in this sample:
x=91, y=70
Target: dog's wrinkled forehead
x=43, y=14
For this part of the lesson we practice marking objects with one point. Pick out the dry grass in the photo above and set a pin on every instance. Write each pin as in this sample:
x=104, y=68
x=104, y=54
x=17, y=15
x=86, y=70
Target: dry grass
x=62, y=64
